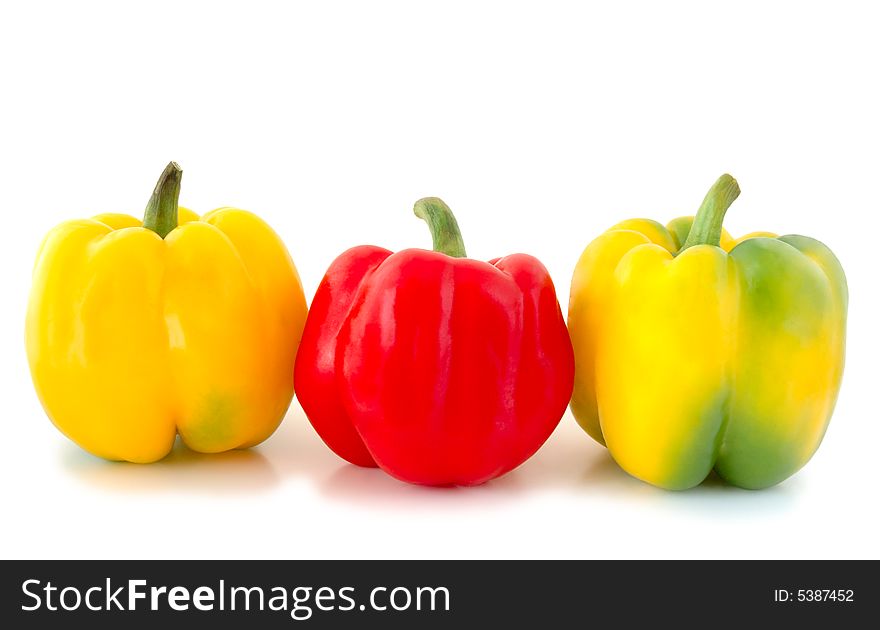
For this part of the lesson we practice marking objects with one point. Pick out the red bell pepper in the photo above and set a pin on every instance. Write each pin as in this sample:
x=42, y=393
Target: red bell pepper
x=439, y=369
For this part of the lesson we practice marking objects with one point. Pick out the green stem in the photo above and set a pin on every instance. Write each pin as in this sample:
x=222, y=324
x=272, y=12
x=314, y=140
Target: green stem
x=444, y=228
x=161, y=213
x=706, y=228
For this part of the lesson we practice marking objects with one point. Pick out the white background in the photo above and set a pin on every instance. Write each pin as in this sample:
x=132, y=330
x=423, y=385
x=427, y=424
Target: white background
x=541, y=124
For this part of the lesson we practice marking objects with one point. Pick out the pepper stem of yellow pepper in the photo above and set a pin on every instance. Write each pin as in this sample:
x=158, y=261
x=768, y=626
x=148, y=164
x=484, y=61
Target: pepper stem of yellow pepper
x=706, y=228
x=161, y=213
x=444, y=228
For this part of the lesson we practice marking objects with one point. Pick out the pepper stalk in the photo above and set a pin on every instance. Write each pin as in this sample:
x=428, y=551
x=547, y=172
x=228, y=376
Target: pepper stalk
x=161, y=212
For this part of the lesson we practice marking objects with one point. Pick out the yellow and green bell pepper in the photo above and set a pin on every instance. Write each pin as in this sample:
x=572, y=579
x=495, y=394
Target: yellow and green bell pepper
x=695, y=351
x=137, y=332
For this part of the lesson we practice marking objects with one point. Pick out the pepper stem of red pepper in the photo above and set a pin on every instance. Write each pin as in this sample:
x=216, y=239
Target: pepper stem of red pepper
x=706, y=228
x=444, y=228
x=161, y=213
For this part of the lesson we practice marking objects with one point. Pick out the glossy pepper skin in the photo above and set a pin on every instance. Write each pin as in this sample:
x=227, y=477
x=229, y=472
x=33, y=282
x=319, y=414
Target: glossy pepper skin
x=692, y=356
x=137, y=332
x=439, y=369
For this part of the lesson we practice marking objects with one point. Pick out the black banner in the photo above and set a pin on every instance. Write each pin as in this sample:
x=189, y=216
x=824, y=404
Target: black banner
x=432, y=594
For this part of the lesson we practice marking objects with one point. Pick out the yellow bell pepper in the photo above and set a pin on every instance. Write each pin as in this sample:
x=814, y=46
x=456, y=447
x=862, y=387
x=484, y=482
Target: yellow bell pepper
x=694, y=350
x=137, y=332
